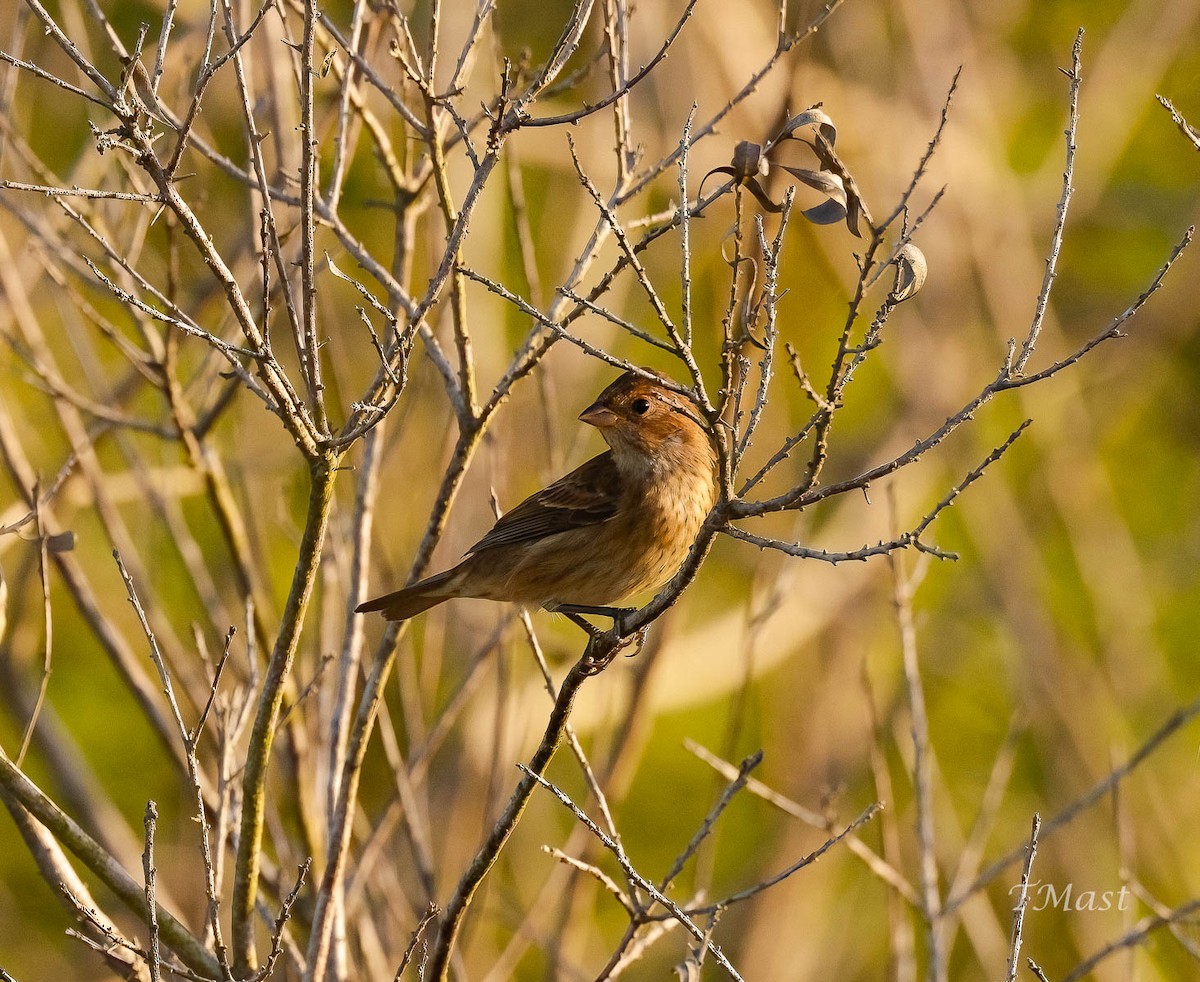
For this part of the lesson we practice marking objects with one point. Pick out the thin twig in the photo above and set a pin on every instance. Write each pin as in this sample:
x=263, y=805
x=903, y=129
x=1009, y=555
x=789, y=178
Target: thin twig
x=1178, y=719
x=1132, y=938
x=874, y=862
x=672, y=908
x=904, y=586
x=1189, y=131
x=151, y=822
x=1060, y=222
x=710, y=820
x=629, y=86
x=598, y=874
x=869, y=813
x=47, y=625
x=174, y=933
x=1018, y=919
x=430, y=913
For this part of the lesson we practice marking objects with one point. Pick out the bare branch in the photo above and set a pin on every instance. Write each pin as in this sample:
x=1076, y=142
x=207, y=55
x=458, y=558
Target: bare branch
x=1132, y=938
x=672, y=908
x=151, y=823
x=1174, y=722
x=1018, y=920
x=1189, y=131
x=867, y=815
x=1060, y=223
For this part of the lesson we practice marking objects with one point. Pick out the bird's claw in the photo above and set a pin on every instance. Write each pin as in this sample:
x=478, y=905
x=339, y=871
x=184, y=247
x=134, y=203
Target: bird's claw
x=610, y=642
x=643, y=634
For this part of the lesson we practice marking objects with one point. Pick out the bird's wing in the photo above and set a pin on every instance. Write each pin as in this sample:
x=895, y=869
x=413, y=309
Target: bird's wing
x=587, y=496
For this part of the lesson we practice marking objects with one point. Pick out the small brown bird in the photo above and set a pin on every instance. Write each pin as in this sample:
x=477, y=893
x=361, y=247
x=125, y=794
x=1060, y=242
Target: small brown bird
x=616, y=526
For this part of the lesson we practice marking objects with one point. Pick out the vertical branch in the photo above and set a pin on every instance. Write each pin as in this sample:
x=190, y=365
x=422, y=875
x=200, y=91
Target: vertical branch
x=458, y=299
x=1018, y=920
x=1039, y=313
x=151, y=821
x=434, y=118
x=685, y=230
x=190, y=739
x=616, y=30
x=47, y=620
x=363, y=523
x=349, y=663
x=903, y=589
x=212, y=865
x=262, y=734
x=767, y=303
x=344, y=140
x=451, y=921
x=210, y=468
x=164, y=37
x=435, y=31
x=327, y=907
x=901, y=898
x=310, y=357
x=730, y=369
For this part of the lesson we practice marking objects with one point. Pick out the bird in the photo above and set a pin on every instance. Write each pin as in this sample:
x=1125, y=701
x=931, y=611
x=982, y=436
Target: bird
x=616, y=526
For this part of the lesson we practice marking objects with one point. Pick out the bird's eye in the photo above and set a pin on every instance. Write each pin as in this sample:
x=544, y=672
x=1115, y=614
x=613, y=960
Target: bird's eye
x=640, y=406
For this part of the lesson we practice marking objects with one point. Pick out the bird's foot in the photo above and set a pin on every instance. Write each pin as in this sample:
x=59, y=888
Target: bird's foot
x=582, y=622
x=599, y=655
x=618, y=615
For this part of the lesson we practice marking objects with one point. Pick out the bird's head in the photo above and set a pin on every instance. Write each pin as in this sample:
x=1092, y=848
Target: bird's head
x=638, y=416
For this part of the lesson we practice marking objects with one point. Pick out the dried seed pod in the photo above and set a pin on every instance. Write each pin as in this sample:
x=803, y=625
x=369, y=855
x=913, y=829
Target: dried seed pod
x=911, y=270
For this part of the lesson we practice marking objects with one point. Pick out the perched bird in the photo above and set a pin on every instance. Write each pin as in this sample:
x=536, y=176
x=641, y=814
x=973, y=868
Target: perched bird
x=618, y=525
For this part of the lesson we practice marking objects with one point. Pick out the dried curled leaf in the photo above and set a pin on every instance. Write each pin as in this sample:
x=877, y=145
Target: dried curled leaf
x=813, y=116
x=911, y=270
x=749, y=161
x=60, y=542
x=823, y=138
x=843, y=202
x=830, y=211
x=748, y=165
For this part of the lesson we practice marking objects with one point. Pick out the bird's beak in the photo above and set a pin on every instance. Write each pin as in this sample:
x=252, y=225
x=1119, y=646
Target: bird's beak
x=599, y=416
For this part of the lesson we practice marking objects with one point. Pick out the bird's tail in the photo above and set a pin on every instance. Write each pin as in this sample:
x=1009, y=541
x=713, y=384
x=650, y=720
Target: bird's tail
x=412, y=600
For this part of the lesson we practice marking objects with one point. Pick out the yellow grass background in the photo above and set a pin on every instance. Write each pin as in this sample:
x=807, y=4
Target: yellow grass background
x=1063, y=637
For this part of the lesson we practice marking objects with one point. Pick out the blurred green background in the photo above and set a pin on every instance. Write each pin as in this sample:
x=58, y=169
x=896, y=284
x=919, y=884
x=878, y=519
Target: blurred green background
x=1058, y=642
